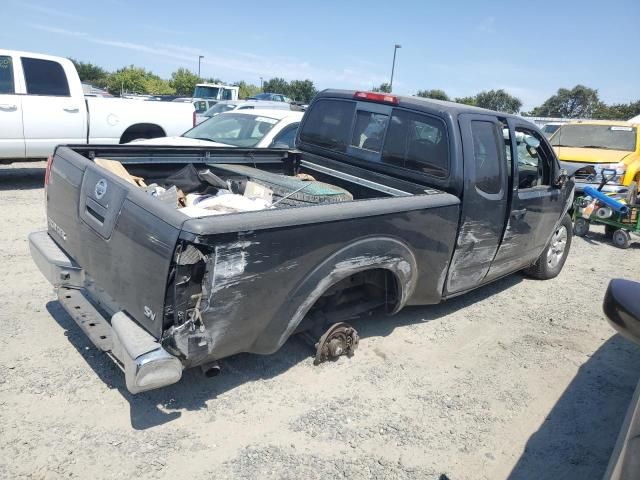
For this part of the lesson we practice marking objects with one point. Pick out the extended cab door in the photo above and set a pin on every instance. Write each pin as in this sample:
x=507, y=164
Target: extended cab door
x=11, y=133
x=484, y=202
x=536, y=203
x=54, y=110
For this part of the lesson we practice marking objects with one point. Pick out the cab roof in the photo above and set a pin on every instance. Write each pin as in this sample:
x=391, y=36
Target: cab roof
x=420, y=103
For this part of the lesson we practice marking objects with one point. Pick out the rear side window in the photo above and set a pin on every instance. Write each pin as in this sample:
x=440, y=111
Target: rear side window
x=487, y=156
x=328, y=124
x=417, y=142
x=6, y=75
x=368, y=132
x=45, y=77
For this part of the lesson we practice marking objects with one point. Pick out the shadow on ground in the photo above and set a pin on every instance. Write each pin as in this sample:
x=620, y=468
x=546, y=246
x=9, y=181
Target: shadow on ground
x=191, y=393
x=598, y=238
x=577, y=437
x=21, y=178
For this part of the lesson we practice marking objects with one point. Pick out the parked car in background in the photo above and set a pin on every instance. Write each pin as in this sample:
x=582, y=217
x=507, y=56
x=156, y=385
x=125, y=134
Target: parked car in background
x=550, y=128
x=592, y=148
x=215, y=91
x=43, y=104
x=201, y=106
x=274, y=97
x=91, y=91
x=255, y=128
x=228, y=106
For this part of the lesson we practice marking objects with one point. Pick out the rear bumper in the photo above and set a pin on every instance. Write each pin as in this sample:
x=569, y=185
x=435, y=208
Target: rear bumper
x=145, y=363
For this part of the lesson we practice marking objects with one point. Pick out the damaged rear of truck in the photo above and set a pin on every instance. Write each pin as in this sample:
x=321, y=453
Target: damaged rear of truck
x=160, y=291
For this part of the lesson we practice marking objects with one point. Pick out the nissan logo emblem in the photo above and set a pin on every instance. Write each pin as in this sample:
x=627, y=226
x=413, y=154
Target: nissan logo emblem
x=101, y=188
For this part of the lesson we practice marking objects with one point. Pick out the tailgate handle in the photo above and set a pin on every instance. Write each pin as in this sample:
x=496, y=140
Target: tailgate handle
x=95, y=210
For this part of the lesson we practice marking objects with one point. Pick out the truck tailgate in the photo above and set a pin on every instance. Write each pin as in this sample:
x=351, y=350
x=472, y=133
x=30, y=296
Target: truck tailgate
x=122, y=238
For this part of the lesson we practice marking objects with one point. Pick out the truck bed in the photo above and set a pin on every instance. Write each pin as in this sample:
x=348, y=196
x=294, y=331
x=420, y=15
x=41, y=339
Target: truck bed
x=209, y=287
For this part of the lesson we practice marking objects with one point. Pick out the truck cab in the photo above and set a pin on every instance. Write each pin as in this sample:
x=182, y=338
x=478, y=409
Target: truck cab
x=43, y=104
x=215, y=91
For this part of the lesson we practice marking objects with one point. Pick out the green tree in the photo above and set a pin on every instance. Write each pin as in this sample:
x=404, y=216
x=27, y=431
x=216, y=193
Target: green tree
x=133, y=79
x=90, y=73
x=246, y=90
x=466, y=100
x=184, y=81
x=498, y=100
x=383, y=88
x=617, y=111
x=579, y=102
x=159, y=86
x=434, y=93
x=302, y=90
x=276, y=85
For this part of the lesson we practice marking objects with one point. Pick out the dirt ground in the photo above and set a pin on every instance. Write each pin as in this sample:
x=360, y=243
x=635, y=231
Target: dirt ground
x=521, y=379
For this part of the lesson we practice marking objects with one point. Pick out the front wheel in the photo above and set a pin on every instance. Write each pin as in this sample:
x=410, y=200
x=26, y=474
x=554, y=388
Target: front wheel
x=552, y=259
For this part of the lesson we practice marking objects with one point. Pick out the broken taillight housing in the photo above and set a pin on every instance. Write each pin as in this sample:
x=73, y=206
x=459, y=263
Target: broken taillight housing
x=47, y=172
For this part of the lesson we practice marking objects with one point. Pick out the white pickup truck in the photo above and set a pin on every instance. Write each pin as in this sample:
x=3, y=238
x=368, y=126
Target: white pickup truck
x=42, y=105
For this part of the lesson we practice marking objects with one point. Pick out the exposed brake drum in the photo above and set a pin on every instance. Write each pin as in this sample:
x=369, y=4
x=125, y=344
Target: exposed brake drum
x=339, y=339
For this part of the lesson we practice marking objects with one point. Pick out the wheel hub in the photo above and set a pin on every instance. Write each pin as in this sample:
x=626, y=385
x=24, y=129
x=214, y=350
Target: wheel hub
x=558, y=246
x=339, y=339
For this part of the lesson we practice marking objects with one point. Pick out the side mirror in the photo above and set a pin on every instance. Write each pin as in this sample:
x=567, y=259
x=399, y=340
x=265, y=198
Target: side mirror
x=622, y=308
x=280, y=145
x=562, y=179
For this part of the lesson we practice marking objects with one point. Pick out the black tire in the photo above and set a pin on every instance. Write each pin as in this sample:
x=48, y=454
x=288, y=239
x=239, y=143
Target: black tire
x=621, y=239
x=288, y=196
x=291, y=191
x=580, y=227
x=554, y=256
x=608, y=231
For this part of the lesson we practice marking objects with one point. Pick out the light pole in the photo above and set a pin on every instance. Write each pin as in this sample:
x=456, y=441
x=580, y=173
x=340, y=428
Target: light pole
x=393, y=65
x=261, y=84
x=200, y=57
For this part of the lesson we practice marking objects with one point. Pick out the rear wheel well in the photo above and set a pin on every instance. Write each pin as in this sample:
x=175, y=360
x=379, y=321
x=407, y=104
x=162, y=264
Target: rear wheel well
x=142, y=130
x=362, y=292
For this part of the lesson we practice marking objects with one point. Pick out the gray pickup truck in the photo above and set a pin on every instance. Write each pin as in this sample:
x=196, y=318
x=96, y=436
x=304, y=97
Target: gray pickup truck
x=402, y=201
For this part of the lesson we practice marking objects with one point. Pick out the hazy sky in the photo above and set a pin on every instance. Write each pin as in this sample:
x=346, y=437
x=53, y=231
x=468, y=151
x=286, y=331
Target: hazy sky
x=528, y=48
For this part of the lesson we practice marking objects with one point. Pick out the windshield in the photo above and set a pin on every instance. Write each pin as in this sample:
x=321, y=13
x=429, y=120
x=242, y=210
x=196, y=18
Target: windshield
x=262, y=96
x=219, y=108
x=234, y=129
x=549, y=130
x=202, y=91
x=609, y=137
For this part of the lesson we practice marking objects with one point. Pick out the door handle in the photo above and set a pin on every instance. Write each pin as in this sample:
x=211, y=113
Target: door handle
x=5, y=107
x=518, y=213
x=71, y=109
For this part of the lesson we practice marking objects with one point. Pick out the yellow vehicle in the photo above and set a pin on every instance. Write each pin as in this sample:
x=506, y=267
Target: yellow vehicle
x=593, y=148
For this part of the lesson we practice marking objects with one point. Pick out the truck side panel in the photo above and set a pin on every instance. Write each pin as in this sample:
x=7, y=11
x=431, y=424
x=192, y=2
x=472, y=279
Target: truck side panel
x=260, y=283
